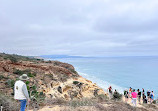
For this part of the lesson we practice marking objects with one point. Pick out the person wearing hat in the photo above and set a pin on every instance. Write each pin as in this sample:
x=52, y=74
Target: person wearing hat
x=21, y=92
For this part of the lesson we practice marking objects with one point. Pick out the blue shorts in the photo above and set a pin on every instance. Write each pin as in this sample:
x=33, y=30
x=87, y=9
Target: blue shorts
x=23, y=104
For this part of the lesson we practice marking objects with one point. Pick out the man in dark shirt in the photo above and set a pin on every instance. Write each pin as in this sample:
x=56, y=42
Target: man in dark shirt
x=139, y=95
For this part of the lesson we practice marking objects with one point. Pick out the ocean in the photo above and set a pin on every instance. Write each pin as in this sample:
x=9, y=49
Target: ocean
x=119, y=72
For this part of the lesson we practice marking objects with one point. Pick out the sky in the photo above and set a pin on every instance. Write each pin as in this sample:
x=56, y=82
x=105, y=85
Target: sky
x=79, y=27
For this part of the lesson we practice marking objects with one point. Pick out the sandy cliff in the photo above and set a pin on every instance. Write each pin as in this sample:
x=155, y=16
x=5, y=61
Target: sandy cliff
x=55, y=79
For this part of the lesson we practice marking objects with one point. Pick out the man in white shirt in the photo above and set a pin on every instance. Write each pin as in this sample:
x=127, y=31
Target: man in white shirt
x=21, y=92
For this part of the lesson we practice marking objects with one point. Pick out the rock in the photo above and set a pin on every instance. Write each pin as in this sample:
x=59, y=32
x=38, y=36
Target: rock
x=60, y=89
x=66, y=88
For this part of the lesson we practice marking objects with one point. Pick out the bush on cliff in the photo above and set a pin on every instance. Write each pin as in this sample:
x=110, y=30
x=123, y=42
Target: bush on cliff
x=8, y=103
x=10, y=83
x=27, y=71
x=73, y=71
x=102, y=98
x=117, y=96
x=75, y=82
x=37, y=96
x=12, y=59
x=3, y=77
x=82, y=102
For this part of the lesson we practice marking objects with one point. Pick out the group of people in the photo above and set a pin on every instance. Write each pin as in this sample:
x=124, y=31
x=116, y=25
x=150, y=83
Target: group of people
x=145, y=97
x=140, y=95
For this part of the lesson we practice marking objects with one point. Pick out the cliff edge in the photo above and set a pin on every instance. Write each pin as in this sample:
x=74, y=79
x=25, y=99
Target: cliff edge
x=52, y=78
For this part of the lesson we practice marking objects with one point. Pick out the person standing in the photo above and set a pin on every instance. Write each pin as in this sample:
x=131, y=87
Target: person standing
x=21, y=92
x=134, y=97
x=148, y=95
x=130, y=92
x=143, y=91
x=110, y=92
x=145, y=99
x=151, y=96
x=126, y=95
x=143, y=94
x=139, y=95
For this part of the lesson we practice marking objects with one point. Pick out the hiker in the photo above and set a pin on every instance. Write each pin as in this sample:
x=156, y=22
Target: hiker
x=148, y=95
x=21, y=92
x=134, y=97
x=110, y=92
x=130, y=92
x=139, y=96
x=115, y=92
x=144, y=99
x=126, y=95
x=151, y=96
x=143, y=91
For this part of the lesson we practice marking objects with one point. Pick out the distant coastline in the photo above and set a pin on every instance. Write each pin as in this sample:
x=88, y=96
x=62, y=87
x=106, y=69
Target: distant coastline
x=72, y=56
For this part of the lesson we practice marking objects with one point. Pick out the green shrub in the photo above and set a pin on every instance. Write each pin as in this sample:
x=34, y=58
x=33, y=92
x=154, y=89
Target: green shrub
x=82, y=102
x=38, y=59
x=12, y=59
x=154, y=102
x=27, y=71
x=34, y=87
x=8, y=103
x=17, y=71
x=2, y=77
x=73, y=71
x=27, y=82
x=117, y=96
x=41, y=93
x=10, y=83
x=56, y=63
x=102, y=98
x=38, y=96
x=30, y=75
x=75, y=82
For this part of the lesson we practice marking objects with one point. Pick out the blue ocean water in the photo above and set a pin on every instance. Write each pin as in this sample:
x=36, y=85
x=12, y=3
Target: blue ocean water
x=119, y=72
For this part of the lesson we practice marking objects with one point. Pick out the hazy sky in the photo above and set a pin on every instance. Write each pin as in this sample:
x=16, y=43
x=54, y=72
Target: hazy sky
x=79, y=27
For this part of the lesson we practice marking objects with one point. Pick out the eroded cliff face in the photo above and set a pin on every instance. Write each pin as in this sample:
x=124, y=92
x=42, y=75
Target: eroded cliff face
x=55, y=79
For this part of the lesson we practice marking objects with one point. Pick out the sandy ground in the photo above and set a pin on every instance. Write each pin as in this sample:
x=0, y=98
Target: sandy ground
x=89, y=108
x=130, y=102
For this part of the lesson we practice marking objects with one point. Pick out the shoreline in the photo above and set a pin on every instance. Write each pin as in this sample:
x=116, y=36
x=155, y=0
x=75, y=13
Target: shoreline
x=101, y=83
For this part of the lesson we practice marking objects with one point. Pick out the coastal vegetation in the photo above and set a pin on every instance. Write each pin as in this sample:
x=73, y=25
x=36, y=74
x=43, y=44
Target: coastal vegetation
x=15, y=58
x=26, y=71
x=117, y=96
x=8, y=103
